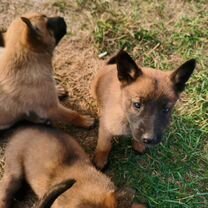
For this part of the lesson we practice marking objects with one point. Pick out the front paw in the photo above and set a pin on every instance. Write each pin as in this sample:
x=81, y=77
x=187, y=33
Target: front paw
x=139, y=147
x=87, y=121
x=100, y=160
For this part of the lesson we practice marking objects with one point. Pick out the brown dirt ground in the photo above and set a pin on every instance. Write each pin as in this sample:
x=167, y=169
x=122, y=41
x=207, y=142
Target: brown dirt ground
x=75, y=64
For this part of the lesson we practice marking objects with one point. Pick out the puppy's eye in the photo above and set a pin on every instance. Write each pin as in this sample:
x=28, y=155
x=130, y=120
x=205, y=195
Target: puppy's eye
x=166, y=110
x=137, y=105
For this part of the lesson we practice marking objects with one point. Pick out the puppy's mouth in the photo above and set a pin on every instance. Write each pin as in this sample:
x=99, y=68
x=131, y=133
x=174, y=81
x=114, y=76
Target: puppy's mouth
x=148, y=142
x=58, y=26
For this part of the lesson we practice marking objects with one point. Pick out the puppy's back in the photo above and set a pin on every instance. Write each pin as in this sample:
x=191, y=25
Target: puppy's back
x=43, y=153
x=37, y=140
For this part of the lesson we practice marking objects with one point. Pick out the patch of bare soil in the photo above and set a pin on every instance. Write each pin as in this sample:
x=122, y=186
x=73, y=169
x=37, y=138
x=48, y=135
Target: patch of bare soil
x=75, y=64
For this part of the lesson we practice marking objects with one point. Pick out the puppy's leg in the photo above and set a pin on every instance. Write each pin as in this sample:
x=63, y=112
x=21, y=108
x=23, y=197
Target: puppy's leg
x=10, y=183
x=65, y=115
x=104, y=145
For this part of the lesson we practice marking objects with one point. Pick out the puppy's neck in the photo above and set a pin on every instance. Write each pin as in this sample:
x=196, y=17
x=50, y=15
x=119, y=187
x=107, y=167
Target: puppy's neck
x=21, y=59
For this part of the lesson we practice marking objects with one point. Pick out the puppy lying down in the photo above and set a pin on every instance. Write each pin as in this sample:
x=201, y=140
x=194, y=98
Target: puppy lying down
x=45, y=157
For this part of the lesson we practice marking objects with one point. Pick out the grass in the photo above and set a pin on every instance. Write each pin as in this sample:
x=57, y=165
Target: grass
x=60, y=5
x=162, y=34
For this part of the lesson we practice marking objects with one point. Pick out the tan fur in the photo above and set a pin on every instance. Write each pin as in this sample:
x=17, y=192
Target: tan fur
x=108, y=92
x=117, y=87
x=26, y=76
x=45, y=157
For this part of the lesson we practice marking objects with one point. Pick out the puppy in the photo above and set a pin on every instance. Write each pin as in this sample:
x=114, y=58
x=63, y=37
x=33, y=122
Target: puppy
x=44, y=157
x=27, y=86
x=61, y=91
x=134, y=101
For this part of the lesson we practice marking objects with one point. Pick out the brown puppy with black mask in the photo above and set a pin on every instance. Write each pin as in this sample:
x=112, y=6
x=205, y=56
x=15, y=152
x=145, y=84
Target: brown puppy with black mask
x=27, y=87
x=135, y=101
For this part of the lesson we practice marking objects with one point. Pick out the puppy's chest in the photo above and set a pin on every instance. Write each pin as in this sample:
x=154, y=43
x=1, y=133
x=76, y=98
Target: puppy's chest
x=116, y=123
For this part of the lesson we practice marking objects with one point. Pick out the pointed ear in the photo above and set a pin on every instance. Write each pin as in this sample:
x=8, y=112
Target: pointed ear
x=33, y=31
x=110, y=200
x=128, y=71
x=180, y=76
x=54, y=193
x=2, y=38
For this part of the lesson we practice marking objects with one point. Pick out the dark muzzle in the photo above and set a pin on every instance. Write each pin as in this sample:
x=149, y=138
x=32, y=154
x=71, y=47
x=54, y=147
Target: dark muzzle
x=58, y=26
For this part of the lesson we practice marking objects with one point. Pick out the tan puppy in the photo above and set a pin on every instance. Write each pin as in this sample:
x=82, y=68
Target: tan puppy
x=44, y=157
x=26, y=75
x=134, y=101
x=61, y=91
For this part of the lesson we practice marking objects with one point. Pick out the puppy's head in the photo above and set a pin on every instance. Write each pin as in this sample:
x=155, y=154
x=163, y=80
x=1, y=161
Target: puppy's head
x=36, y=31
x=109, y=201
x=148, y=96
x=95, y=192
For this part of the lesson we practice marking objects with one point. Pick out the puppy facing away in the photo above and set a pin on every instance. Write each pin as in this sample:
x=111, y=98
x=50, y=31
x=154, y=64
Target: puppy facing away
x=61, y=91
x=44, y=157
x=27, y=86
x=135, y=101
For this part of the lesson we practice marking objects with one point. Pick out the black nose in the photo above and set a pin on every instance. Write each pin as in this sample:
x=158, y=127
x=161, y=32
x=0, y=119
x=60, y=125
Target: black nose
x=58, y=26
x=147, y=140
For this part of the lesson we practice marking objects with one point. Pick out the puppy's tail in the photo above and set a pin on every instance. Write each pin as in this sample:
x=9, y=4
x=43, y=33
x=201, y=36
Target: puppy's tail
x=54, y=192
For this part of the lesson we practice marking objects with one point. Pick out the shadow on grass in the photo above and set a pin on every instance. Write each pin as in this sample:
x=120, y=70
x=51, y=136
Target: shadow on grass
x=173, y=174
